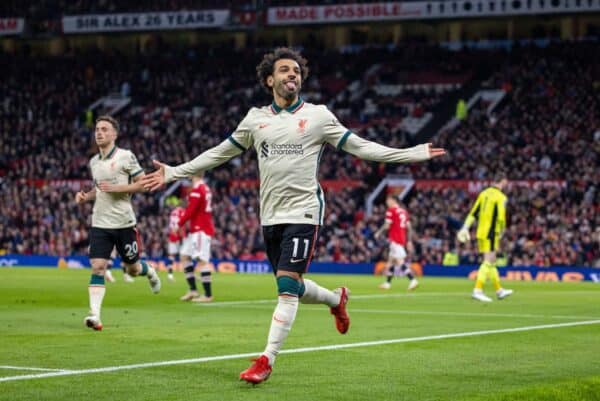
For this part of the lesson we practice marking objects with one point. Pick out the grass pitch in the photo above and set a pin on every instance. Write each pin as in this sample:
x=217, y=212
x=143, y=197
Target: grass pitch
x=433, y=344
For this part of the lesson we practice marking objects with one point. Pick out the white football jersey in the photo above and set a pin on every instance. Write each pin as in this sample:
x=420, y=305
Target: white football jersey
x=289, y=143
x=114, y=210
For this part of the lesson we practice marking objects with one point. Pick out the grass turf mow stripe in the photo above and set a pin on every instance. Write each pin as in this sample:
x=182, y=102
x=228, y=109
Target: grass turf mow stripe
x=295, y=351
x=31, y=368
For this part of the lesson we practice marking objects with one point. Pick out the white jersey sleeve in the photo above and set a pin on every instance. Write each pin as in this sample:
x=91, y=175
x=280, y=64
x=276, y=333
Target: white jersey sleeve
x=131, y=165
x=344, y=139
x=238, y=142
x=368, y=150
x=334, y=132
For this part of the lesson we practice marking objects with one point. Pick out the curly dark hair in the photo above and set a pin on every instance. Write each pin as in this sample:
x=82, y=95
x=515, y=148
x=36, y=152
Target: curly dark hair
x=267, y=65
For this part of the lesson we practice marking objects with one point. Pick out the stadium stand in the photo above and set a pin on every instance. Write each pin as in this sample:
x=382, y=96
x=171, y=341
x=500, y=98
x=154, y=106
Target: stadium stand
x=548, y=127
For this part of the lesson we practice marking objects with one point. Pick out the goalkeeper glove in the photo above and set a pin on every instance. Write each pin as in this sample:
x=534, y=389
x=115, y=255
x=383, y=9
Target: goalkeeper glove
x=463, y=234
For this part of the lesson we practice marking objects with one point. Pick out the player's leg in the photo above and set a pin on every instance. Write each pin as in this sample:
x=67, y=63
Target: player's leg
x=290, y=248
x=129, y=247
x=126, y=276
x=413, y=283
x=389, y=273
x=203, y=257
x=173, y=250
x=306, y=236
x=108, y=273
x=185, y=255
x=101, y=244
x=260, y=370
x=399, y=261
x=170, y=264
x=501, y=293
x=96, y=291
x=484, y=246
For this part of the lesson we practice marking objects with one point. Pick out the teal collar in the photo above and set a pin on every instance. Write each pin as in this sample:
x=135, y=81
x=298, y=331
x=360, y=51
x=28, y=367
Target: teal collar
x=109, y=154
x=290, y=109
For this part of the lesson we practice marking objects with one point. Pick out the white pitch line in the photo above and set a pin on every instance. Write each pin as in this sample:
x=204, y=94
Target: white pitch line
x=29, y=368
x=295, y=351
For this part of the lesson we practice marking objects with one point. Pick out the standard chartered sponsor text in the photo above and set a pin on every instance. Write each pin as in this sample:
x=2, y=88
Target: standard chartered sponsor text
x=286, y=149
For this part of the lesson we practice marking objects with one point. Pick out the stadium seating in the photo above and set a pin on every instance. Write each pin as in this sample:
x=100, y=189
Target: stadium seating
x=547, y=128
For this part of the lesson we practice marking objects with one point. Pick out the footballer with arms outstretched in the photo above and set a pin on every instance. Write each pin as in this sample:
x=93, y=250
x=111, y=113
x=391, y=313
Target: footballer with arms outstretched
x=289, y=137
x=116, y=173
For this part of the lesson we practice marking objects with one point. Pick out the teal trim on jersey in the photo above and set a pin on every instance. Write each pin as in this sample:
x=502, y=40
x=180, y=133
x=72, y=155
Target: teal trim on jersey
x=342, y=141
x=293, y=108
x=319, y=190
x=96, y=280
x=320, y=198
x=236, y=143
x=109, y=155
x=274, y=108
x=302, y=290
x=290, y=109
x=287, y=286
x=140, y=171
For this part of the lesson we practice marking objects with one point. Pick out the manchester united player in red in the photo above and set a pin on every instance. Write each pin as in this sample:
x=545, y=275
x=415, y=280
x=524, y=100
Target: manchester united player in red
x=176, y=235
x=196, y=245
x=397, y=221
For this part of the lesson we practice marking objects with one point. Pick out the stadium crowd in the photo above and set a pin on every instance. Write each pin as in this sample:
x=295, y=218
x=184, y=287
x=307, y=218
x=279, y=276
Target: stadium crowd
x=548, y=127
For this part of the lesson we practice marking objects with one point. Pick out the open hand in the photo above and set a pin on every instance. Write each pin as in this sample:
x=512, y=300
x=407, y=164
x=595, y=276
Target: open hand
x=435, y=152
x=156, y=179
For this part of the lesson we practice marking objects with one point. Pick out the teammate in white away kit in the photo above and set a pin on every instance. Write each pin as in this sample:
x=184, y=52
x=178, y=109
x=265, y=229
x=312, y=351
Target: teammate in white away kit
x=116, y=174
x=289, y=137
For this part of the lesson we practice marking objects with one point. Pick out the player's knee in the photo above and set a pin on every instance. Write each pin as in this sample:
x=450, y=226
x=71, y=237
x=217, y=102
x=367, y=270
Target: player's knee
x=287, y=285
x=133, y=269
x=99, y=266
x=189, y=268
x=203, y=266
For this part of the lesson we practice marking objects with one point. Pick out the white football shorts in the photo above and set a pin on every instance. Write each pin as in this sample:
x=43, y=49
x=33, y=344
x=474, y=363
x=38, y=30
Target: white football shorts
x=397, y=251
x=173, y=247
x=197, y=246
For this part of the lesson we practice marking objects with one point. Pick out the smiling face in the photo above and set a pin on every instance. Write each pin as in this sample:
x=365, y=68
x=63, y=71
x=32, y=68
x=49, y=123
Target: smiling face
x=105, y=134
x=286, y=79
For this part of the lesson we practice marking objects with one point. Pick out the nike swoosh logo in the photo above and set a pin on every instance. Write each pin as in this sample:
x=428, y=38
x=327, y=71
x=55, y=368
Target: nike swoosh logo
x=278, y=320
x=296, y=260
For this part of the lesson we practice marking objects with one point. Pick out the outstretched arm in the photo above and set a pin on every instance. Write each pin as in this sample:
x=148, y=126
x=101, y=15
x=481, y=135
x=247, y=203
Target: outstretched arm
x=368, y=150
x=205, y=161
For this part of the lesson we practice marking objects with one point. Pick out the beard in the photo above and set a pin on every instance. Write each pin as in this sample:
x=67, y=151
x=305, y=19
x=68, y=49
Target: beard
x=285, y=93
